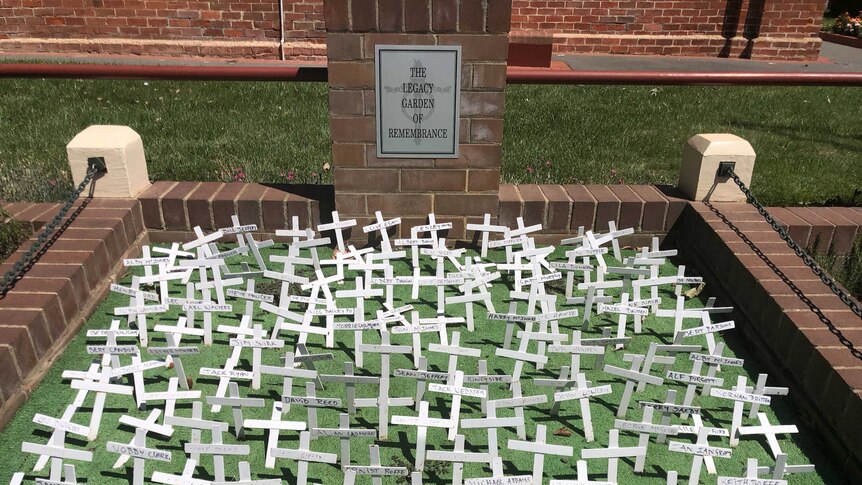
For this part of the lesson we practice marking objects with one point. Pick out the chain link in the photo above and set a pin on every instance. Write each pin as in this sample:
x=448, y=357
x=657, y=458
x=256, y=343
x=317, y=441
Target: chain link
x=808, y=260
x=28, y=258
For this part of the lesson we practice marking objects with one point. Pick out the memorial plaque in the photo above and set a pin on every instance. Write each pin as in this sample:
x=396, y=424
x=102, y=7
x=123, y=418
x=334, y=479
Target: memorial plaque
x=417, y=90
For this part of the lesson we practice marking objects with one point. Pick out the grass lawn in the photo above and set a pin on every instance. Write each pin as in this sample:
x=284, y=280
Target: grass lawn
x=53, y=395
x=807, y=139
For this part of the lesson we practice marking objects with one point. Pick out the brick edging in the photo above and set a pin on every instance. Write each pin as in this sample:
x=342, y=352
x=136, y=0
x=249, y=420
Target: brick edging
x=771, y=290
x=45, y=309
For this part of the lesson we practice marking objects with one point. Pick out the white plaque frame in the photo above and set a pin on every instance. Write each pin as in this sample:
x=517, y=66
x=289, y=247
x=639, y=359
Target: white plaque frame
x=390, y=70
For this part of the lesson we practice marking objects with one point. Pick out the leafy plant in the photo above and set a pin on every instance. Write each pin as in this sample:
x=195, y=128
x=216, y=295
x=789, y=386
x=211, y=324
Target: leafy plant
x=847, y=25
x=12, y=234
x=845, y=268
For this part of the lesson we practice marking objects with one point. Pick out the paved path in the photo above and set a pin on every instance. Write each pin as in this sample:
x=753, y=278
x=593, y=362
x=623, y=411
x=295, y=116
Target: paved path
x=834, y=58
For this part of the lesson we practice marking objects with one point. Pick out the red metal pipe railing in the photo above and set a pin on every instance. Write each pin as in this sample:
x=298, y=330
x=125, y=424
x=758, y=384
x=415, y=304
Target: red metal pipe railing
x=514, y=75
x=525, y=76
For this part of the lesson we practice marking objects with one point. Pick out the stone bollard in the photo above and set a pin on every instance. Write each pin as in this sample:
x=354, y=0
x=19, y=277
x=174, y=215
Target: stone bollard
x=123, y=151
x=701, y=155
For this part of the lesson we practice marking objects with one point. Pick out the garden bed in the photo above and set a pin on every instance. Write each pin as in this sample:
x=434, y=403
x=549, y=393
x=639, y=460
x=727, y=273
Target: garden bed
x=52, y=397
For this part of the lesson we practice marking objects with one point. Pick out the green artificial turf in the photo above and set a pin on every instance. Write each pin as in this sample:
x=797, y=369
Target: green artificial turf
x=807, y=138
x=54, y=394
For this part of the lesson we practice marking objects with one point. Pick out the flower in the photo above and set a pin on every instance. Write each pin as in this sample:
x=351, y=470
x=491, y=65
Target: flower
x=326, y=167
x=529, y=169
x=290, y=175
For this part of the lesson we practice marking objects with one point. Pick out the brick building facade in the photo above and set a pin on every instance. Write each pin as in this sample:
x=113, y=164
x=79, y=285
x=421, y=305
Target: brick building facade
x=759, y=29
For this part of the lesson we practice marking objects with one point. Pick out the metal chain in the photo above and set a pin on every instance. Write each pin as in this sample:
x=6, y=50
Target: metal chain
x=808, y=260
x=27, y=259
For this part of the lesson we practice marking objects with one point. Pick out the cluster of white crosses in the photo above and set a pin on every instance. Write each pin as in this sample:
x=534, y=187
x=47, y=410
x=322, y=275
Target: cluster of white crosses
x=126, y=356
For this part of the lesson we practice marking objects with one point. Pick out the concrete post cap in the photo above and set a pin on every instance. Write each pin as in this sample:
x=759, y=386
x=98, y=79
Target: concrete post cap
x=123, y=151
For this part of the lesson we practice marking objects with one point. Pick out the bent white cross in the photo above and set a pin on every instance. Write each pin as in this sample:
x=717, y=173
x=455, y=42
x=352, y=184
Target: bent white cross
x=303, y=456
x=375, y=470
x=631, y=376
x=613, y=453
x=139, y=452
x=345, y=433
x=769, y=431
x=422, y=423
x=540, y=448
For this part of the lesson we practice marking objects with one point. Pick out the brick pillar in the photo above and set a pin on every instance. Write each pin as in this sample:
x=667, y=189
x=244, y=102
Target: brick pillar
x=458, y=190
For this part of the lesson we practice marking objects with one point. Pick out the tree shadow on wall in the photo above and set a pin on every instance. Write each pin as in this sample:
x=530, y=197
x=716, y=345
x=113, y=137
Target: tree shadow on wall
x=750, y=30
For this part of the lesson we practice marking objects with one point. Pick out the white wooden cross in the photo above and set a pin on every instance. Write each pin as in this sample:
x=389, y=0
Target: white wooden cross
x=667, y=409
x=644, y=428
x=345, y=433
x=236, y=403
x=57, y=453
x=760, y=389
x=218, y=449
x=58, y=436
x=257, y=343
x=491, y=422
x=582, y=393
x=337, y=225
x=613, y=453
x=631, y=376
x=311, y=403
x=454, y=350
x=173, y=351
x=102, y=388
x=456, y=389
x=139, y=452
x=739, y=395
x=484, y=379
x=303, y=456
x=583, y=477
x=350, y=381
x=540, y=448
x=275, y=426
x=518, y=401
x=715, y=360
x=148, y=425
x=652, y=358
x=422, y=423
x=360, y=293
x=458, y=457
x=422, y=375
x=383, y=227
x=752, y=474
x=376, y=471
x=385, y=349
x=701, y=450
x=522, y=355
x=680, y=313
x=693, y=380
x=484, y=231
x=765, y=428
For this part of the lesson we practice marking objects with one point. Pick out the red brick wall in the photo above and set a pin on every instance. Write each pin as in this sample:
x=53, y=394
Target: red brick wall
x=758, y=29
x=249, y=28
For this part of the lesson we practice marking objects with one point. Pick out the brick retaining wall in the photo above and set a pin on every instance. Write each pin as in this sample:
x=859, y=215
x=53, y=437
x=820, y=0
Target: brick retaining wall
x=45, y=309
x=781, y=307
x=250, y=28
